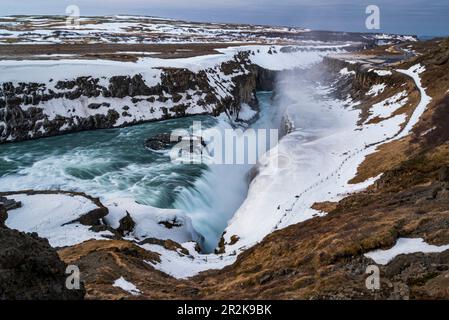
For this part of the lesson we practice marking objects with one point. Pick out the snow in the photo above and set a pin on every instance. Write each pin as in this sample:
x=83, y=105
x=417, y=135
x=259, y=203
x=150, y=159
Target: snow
x=385, y=36
x=311, y=164
x=382, y=73
x=126, y=286
x=148, y=221
x=180, y=266
x=137, y=29
x=404, y=246
x=386, y=108
x=346, y=72
x=246, y=113
x=414, y=72
x=51, y=216
x=41, y=71
x=376, y=89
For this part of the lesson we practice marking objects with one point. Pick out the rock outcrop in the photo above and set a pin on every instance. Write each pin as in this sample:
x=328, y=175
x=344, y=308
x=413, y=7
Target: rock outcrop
x=30, y=268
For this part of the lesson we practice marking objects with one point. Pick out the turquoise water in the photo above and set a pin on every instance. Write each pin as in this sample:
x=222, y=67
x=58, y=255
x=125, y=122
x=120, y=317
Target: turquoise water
x=114, y=163
x=102, y=162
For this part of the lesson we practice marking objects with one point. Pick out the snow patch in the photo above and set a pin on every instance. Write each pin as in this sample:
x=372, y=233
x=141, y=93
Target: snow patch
x=246, y=113
x=376, y=89
x=381, y=73
x=181, y=266
x=386, y=108
x=150, y=221
x=346, y=72
x=126, y=286
x=51, y=216
x=404, y=246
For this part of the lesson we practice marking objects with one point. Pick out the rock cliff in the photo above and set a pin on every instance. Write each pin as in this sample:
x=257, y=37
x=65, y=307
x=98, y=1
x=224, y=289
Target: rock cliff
x=34, y=110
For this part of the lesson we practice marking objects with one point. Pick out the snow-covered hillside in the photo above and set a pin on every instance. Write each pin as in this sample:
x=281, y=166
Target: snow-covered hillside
x=316, y=160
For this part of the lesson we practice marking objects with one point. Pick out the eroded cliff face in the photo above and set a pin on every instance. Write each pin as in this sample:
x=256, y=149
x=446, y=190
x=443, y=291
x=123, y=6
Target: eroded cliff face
x=35, y=110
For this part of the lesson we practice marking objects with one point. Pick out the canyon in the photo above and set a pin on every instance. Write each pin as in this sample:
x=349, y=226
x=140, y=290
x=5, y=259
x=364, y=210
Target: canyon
x=362, y=166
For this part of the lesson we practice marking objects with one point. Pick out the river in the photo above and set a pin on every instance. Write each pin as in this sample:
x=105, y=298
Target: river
x=114, y=163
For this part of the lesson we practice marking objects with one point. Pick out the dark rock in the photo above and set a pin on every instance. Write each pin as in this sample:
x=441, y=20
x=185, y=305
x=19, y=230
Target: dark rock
x=102, y=228
x=176, y=97
x=174, y=80
x=443, y=174
x=31, y=269
x=162, y=99
x=94, y=106
x=127, y=224
x=93, y=217
x=3, y=216
x=9, y=204
x=265, y=278
x=161, y=141
x=234, y=239
x=169, y=224
x=122, y=86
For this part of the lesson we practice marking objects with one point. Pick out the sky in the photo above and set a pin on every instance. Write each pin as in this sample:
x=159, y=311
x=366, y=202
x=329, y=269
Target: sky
x=420, y=17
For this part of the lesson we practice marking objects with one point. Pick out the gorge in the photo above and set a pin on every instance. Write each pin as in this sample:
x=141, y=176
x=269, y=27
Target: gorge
x=357, y=176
